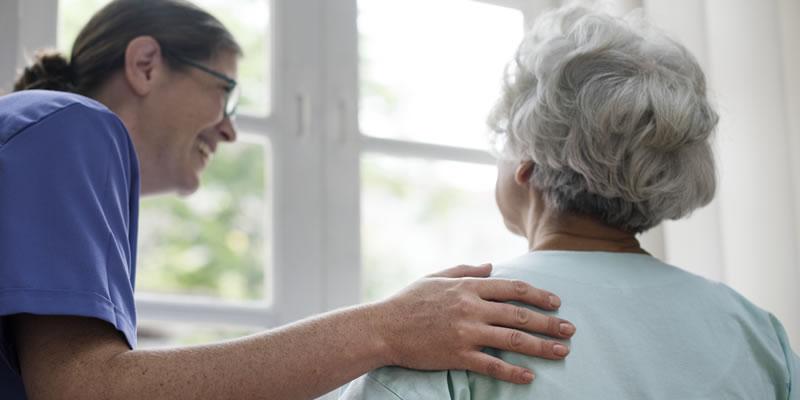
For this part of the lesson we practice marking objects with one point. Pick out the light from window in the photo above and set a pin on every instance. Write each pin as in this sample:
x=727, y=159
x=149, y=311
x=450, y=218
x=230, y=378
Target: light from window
x=431, y=70
x=422, y=216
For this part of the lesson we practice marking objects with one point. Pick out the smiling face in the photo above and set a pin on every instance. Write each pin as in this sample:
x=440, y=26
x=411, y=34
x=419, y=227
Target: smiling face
x=186, y=123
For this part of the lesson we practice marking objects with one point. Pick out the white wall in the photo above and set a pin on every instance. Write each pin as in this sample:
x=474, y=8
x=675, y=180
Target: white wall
x=19, y=41
x=9, y=32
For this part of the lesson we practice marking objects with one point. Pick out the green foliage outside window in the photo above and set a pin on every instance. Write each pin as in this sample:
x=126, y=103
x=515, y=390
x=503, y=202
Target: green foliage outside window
x=212, y=242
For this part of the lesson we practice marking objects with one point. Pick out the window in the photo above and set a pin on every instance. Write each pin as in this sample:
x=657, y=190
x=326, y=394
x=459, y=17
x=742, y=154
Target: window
x=423, y=207
x=421, y=215
x=436, y=81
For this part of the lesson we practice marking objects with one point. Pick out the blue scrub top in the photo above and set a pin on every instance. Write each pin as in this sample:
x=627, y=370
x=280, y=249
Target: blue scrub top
x=69, y=195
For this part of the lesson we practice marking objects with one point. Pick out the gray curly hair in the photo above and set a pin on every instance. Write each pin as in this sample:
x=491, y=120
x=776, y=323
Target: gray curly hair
x=614, y=115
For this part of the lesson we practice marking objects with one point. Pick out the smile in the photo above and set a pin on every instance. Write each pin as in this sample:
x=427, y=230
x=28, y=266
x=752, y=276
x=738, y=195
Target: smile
x=205, y=149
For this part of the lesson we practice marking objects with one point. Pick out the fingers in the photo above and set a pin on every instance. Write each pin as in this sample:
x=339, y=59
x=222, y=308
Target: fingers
x=523, y=343
x=464, y=271
x=515, y=290
x=511, y=316
x=485, y=364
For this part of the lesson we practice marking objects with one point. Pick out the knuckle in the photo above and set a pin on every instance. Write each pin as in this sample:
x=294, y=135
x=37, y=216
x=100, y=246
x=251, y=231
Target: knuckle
x=514, y=340
x=548, y=349
x=538, y=347
x=522, y=316
x=553, y=326
x=462, y=334
x=470, y=284
x=450, y=293
x=494, y=369
x=464, y=306
x=520, y=287
x=544, y=298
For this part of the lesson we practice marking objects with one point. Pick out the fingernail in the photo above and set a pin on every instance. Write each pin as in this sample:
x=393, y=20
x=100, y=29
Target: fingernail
x=560, y=350
x=555, y=302
x=527, y=376
x=566, y=328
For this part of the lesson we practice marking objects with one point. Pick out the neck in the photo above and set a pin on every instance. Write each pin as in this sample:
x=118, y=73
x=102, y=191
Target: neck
x=115, y=95
x=549, y=230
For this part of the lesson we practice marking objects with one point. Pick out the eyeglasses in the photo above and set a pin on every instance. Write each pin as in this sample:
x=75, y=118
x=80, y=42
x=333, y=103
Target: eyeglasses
x=232, y=89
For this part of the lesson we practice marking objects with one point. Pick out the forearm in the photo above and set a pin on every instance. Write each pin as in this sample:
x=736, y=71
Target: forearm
x=435, y=324
x=299, y=361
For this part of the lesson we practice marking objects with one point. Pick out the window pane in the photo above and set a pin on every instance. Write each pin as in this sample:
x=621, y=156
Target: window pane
x=213, y=242
x=422, y=216
x=248, y=20
x=431, y=70
x=159, y=334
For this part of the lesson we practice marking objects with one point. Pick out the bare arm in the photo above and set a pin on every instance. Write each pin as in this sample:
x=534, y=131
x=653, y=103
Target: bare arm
x=437, y=323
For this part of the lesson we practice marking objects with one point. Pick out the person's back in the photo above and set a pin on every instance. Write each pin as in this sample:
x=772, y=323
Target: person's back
x=648, y=331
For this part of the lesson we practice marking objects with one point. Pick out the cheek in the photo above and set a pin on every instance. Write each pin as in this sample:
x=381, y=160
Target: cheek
x=501, y=193
x=205, y=112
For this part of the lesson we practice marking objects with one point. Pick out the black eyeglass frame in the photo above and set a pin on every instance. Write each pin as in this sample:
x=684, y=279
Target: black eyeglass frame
x=232, y=85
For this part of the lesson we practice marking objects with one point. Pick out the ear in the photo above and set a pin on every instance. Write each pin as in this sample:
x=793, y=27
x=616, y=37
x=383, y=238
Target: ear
x=522, y=176
x=143, y=62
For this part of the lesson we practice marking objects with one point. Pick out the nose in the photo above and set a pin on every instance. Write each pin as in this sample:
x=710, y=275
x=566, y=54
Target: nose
x=227, y=129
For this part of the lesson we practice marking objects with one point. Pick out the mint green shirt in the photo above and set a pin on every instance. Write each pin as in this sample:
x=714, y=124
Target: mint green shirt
x=646, y=330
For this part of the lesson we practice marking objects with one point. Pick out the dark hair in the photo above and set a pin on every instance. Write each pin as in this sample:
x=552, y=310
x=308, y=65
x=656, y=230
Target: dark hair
x=182, y=29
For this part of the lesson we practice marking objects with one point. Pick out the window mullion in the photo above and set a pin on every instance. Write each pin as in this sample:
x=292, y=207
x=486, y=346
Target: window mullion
x=341, y=209
x=298, y=194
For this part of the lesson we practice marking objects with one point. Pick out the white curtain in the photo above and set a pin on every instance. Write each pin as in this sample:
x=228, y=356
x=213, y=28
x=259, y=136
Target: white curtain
x=749, y=236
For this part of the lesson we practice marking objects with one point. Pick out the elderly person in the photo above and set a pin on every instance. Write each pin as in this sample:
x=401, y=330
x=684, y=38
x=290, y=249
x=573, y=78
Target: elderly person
x=604, y=130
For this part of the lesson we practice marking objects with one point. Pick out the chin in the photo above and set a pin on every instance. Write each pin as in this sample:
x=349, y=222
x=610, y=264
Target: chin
x=189, y=186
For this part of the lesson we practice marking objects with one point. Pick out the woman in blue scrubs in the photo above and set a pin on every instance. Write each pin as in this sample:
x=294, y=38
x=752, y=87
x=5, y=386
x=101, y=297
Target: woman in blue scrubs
x=143, y=102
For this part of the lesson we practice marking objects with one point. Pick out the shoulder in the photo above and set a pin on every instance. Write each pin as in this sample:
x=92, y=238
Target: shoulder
x=56, y=111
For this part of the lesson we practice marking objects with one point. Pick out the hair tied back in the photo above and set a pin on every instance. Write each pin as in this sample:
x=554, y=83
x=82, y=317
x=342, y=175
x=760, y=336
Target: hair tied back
x=50, y=70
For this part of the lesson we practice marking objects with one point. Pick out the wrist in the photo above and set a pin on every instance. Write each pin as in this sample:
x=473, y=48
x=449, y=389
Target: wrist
x=379, y=319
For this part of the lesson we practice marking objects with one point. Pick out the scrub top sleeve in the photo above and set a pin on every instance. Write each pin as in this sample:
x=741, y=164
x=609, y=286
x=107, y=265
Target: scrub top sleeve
x=68, y=209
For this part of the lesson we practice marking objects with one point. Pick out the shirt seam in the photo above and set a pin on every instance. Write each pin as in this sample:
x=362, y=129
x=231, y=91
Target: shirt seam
x=384, y=386
x=110, y=235
x=81, y=292
x=11, y=138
